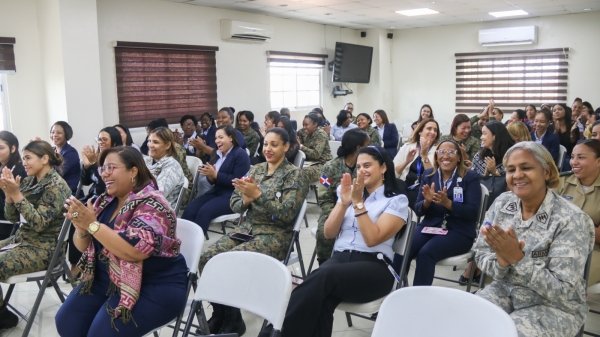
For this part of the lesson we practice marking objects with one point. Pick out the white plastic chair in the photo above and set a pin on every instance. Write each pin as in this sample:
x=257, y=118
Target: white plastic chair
x=432, y=311
x=296, y=257
x=192, y=242
x=406, y=132
x=223, y=220
x=193, y=163
x=401, y=246
x=299, y=160
x=561, y=157
x=401, y=121
x=181, y=194
x=334, y=145
x=250, y=281
x=445, y=129
x=464, y=259
x=57, y=267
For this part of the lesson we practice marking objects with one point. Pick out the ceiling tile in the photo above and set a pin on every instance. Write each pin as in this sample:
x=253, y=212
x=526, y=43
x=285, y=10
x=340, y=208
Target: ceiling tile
x=381, y=3
x=349, y=6
x=375, y=13
x=285, y=4
x=327, y=2
x=325, y=11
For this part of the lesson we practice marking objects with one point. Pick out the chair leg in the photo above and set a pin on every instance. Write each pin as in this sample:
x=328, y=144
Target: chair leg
x=300, y=259
x=36, y=306
x=156, y=334
x=471, y=275
x=305, y=220
x=190, y=320
x=312, y=260
x=349, y=319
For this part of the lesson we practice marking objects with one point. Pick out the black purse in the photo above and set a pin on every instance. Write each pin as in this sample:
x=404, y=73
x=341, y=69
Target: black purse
x=496, y=185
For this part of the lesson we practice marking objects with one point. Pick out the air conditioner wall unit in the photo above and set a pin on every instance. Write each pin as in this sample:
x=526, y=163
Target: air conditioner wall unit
x=508, y=36
x=232, y=30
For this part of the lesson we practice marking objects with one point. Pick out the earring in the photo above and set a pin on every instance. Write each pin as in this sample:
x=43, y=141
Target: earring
x=133, y=180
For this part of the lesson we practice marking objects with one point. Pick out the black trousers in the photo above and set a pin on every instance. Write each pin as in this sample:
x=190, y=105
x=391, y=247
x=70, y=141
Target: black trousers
x=345, y=277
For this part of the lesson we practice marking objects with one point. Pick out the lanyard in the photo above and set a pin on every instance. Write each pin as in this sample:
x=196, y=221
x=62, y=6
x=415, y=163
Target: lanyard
x=448, y=182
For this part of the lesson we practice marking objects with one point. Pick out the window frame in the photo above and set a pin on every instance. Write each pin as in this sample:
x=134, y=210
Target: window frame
x=296, y=91
x=4, y=108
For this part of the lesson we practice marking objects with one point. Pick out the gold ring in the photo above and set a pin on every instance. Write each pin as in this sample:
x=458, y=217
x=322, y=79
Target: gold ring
x=75, y=215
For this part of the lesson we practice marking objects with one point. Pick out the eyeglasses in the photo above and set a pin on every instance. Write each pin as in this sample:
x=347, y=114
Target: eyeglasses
x=108, y=168
x=102, y=140
x=451, y=153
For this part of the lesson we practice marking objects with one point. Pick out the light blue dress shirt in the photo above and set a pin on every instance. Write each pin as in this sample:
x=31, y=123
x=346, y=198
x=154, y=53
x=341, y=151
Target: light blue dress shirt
x=377, y=204
x=338, y=131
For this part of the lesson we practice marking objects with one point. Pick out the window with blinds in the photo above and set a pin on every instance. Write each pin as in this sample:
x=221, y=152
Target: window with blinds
x=164, y=81
x=295, y=79
x=7, y=55
x=513, y=79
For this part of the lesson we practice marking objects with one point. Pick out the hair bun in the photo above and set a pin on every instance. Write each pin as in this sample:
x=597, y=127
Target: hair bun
x=232, y=109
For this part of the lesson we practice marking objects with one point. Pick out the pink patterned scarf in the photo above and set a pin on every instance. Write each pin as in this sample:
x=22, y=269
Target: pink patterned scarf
x=148, y=223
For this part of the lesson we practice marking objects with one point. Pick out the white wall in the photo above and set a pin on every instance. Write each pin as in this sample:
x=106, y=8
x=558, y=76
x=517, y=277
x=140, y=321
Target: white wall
x=242, y=73
x=424, y=63
x=26, y=102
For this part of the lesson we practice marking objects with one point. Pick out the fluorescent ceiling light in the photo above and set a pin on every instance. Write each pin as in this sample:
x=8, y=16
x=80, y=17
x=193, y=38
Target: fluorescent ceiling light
x=508, y=13
x=419, y=11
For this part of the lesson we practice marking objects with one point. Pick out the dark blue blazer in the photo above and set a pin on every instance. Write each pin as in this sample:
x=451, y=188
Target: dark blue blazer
x=236, y=165
x=550, y=142
x=71, y=170
x=391, y=139
x=210, y=138
x=294, y=124
x=463, y=217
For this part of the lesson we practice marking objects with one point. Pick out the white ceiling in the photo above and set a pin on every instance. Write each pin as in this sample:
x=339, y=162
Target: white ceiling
x=362, y=14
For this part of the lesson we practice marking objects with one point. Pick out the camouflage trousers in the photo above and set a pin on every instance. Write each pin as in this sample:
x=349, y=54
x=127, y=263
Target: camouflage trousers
x=324, y=246
x=536, y=320
x=312, y=173
x=274, y=245
x=21, y=260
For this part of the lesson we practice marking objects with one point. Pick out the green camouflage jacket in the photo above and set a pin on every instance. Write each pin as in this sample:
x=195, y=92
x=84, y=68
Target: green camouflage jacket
x=316, y=146
x=42, y=208
x=472, y=144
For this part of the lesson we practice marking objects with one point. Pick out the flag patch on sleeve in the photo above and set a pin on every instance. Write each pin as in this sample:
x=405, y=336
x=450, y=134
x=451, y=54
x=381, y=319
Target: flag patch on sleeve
x=325, y=181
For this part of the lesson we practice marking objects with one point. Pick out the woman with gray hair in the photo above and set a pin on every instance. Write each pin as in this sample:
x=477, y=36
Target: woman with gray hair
x=535, y=245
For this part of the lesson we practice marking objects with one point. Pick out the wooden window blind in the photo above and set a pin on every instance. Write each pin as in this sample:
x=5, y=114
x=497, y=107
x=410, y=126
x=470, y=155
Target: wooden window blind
x=296, y=60
x=164, y=81
x=512, y=78
x=7, y=55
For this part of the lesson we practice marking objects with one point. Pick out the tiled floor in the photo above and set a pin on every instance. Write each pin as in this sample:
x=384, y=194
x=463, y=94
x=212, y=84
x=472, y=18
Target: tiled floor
x=44, y=326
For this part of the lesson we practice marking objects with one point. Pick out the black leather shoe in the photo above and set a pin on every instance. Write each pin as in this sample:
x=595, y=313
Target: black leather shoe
x=215, y=323
x=233, y=322
x=8, y=320
x=464, y=280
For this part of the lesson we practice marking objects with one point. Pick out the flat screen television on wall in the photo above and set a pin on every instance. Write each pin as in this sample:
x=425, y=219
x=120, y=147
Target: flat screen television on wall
x=352, y=63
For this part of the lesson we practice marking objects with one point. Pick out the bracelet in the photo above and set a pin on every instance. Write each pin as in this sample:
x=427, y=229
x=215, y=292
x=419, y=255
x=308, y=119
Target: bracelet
x=81, y=237
x=359, y=214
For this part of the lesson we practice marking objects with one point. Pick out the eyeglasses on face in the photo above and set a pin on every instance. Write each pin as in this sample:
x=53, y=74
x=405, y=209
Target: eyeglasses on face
x=108, y=168
x=451, y=153
x=102, y=140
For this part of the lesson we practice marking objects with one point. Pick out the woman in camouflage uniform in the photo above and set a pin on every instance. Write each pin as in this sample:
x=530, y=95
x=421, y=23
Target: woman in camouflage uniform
x=272, y=194
x=460, y=132
x=39, y=200
x=331, y=176
x=364, y=122
x=535, y=245
x=314, y=142
x=242, y=123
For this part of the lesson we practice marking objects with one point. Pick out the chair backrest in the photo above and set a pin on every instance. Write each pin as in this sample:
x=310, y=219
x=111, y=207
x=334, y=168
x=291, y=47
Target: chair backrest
x=432, y=311
x=561, y=156
x=186, y=183
x=401, y=121
x=331, y=137
x=403, y=243
x=193, y=163
x=300, y=216
x=192, y=242
x=445, y=129
x=334, y=145
x=251, y=281
x=406, y=131
x=299, y=160
x=248, y=152
x=485, y=195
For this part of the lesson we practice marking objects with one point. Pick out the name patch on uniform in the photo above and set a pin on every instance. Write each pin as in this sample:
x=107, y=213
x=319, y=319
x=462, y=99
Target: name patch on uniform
x=542, y=217
x=540, y=253
x=568, y=197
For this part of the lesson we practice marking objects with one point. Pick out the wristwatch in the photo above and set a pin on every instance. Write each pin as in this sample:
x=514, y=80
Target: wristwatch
x=93, y=227
x=359, y=206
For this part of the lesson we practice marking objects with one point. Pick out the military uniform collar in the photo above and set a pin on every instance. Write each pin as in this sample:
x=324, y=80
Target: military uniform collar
x=541, y=217
x=573, y=180
x=282, y=167
x=34, y=186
